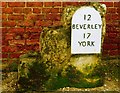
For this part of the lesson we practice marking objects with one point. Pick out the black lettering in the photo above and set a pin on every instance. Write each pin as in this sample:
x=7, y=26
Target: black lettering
x=81, y=26
x=79, y=43
x=92, y=43
x=88, y=26
x=89, y=17
x=92, y=27
x=83, y=43
x=95, y=26
x=88, y=43
x=88, y=35
x=84, y=17
x=100, y=26
x=84, y=26
x=77, y=26
x=73, y=26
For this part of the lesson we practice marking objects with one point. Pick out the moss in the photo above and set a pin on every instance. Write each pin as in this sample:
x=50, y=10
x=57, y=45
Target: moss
x=55, y=67
x=32, y=72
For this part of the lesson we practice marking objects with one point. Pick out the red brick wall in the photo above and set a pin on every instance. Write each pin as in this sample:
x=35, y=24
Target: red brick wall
x=22, y=23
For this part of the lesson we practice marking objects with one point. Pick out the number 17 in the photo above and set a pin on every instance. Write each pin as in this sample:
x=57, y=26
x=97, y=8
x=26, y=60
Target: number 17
x=86, y=35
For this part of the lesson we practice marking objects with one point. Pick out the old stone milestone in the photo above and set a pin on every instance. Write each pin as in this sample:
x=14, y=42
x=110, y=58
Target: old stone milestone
x=86, y=31
x=71, y=53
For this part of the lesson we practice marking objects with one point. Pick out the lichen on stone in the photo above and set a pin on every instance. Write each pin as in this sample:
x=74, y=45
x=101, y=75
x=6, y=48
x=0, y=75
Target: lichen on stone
x=55, y=48
x=61, y=68
x=76, y=70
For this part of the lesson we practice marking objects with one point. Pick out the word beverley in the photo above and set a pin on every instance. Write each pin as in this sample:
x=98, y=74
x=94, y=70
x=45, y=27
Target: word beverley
x=86, y=26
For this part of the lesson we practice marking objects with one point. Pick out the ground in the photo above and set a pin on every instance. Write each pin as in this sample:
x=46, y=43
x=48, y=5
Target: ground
x=111, y=83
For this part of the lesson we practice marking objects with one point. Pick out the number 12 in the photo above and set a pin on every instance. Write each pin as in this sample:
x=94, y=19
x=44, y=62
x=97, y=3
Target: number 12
x=87, y=17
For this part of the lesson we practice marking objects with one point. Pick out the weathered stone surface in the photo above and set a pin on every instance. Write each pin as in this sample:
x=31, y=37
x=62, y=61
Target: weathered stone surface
x=32, y=73
x=55, y=66
x=66, y=69
x=55, y=48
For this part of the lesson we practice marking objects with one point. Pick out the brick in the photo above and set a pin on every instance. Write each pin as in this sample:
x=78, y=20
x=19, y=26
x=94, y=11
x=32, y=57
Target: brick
x=16, y=4
x=48, y=4
x=34, y=36
x=7, y=10
x=106, y=40
x=112, y=29
x=118, y=10
x=15, y=55
x=20, y=47
x=43, y=23
x=0, y=16
x=113, y=52
x=19, y=30
x=5, y=48
x=36, y=47
x=16, y=17
x=14, y=42
x=53, y=16
x=18, y=10
x=31, y=47
x=55, y=10
x=5, y=42
x=32, y=41
x=18, y=37
x=27, y=10
x=4, y=30
x=82, y=3
x=13, y=49
x=50, y=10
x=105, y=46
x=9, y=49
x=4, y=55
x=105, y=53
x=4, y=61
x=112, y=23
x=35, y=17
x=4, y=4
x=26, y=23
x=112, y=35
x=119, y=46
x=108, y=17
x=118, y=52
x=31, y=29
x=70, y=3
x=40, y=17
x=46, y=10
x=108, y=4
x=28, y=47
x=9, y=36
x=115, y=41
x=110, y=46
x=4, y=17
x=8, y=23
x=115, y=17
x=57, y=4
x=57, y=23
x=34, y=4
x=26, y=35
x=111, y=10
x=116, y=4
x=37, y=10
x=31, y=17
x=60, y=10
